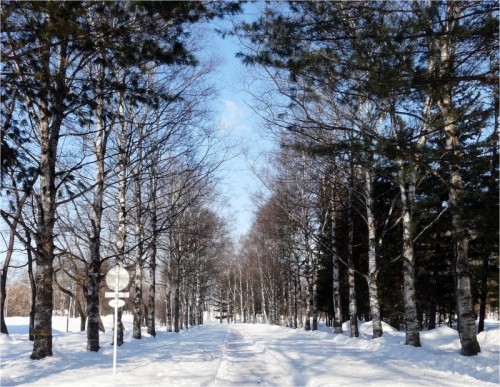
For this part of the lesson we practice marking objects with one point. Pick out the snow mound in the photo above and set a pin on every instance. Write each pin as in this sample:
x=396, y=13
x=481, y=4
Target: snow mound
x=489, y=339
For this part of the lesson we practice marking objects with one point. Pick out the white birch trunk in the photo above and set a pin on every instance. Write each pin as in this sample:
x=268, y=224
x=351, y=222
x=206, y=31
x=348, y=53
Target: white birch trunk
x=307, y=325
x=337, y=311
x=298, y=297
x=353, y=309
x=185, y=293
x=139, y=232
x=168, y=306
x=177, y=284
x=152, y=260
x=463, y=291
x=242, y=307
x=372, y=258
x=122, y=210
x=412, y=328
x=198, y=300
x=407, y=183
x=263, y=294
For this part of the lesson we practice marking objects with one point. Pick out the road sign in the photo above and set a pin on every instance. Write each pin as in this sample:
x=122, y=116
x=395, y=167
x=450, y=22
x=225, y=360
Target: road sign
x=117, y=294
x=117, y=278
x=116, y=303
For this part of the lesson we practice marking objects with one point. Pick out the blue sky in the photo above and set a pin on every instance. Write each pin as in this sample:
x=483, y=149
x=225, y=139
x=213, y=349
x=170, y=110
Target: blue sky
x=241, y=125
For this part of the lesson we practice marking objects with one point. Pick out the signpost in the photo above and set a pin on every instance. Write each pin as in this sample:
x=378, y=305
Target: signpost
x=117, y=279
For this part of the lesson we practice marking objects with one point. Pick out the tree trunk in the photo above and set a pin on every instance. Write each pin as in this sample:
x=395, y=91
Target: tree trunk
x=151, y=328
x=168, y=309
x=229, y=301
x=263, y=294
x=137, y=298
x=272, y=303
x=484, y=293
x=139, y=233
x=185, y=294
x=242, y=309
x=307, y=325
x=83, y=315
x=407, y=188
x=412, y=328
x=32, y=285
x=298, y=297
x=234, y=303
x=463, y=292
x=314, y=294
x=122, y=211
x=3, y=291
x=51, y=111
x=192, y=313
x=337, y=311
x=353, y=309
x=198, y=300
x=290, y=311
x=372, y=258
x=221, y=303
x=120, y=329
x=94, y=270
x=5, y=270
x=177, y=294
x=49, y=136
x=252, y=303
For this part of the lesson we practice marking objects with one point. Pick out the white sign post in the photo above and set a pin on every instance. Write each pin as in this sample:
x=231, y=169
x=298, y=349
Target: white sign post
x=117, y=279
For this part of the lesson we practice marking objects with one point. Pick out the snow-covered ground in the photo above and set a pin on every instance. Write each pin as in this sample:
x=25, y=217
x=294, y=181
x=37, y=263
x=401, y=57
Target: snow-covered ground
x=245, y=354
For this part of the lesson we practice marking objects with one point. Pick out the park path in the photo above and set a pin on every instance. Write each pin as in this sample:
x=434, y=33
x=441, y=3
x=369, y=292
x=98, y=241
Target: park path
x=245, y=362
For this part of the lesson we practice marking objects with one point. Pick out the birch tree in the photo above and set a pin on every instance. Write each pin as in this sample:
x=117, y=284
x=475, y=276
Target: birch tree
x=448, y=107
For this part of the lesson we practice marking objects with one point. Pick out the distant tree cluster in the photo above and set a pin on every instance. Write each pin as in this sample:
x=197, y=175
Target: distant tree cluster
x=384, y=194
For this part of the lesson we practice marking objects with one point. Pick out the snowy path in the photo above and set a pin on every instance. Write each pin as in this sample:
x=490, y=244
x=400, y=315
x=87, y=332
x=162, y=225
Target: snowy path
x=220, y=355
x=270, y=355
x=245, y=362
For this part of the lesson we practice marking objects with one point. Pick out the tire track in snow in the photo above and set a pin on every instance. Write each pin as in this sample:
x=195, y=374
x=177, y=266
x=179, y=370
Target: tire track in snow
x=245, y=362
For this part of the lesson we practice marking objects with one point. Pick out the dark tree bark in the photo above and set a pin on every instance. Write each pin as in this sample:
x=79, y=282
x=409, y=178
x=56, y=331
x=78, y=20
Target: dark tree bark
x=49, y=137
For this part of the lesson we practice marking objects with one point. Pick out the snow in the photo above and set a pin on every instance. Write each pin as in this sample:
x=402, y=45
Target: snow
x=249, y=354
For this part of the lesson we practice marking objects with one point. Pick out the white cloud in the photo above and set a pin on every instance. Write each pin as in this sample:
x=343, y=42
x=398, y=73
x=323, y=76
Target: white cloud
x=234, y=118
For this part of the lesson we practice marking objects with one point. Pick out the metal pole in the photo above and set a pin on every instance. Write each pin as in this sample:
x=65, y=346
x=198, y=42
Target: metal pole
x=115, y=338
x=67, y=316
x=69, y=310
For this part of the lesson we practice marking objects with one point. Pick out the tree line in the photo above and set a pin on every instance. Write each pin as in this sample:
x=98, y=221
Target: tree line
x=109, y=155
x=384, y=194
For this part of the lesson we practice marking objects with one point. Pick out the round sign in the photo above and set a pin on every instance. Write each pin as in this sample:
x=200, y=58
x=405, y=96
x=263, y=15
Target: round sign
x=117, y=303
x=117, y=278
